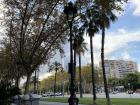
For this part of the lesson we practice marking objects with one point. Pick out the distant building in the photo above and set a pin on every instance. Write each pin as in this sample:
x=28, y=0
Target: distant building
x=119, y=68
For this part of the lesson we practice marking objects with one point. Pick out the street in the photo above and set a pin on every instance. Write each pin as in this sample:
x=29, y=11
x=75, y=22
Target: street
x=53, y=103
x=101, y=95
x=118, y=95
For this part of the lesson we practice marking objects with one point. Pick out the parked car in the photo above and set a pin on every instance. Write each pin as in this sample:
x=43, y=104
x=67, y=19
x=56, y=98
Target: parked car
x=137, y=91
x=56, y=94
x=44, y=95
x=114, y=92
x=130, y=92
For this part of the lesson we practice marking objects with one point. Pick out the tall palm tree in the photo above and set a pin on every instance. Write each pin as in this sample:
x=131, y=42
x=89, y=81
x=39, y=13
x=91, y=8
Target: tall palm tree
x=91, y=33
x=91, y=27
x=79, y=47
x=105, y=16
x=102, y=62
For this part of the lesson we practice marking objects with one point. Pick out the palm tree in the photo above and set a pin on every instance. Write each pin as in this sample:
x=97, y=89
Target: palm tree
x=35, y=80
x=79, y=47
x=55, y=67
x=105, y=16
x=90, y=25
x=91, y=34
x=102, y=62
x=61, y=51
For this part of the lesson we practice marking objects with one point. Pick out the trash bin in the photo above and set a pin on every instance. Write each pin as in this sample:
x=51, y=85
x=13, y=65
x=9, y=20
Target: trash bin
x=17, y=100
x=35, y=99
x=25, y=100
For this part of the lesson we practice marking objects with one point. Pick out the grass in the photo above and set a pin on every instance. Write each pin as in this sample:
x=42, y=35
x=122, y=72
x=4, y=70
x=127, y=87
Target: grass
x=88, y=101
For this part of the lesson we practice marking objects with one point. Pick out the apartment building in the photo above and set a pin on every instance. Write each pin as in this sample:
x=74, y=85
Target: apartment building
x=119, y=68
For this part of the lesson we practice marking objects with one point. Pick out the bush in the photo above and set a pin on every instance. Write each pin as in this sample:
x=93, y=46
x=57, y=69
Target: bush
x=7, y=91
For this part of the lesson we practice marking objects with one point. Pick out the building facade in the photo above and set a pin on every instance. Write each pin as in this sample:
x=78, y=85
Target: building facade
x=119, y=68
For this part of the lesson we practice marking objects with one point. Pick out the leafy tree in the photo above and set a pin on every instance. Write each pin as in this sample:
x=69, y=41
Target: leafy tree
x=113, y=82
x=46, y=84
x=34, y=33
x=131, y=81
x=9, y=72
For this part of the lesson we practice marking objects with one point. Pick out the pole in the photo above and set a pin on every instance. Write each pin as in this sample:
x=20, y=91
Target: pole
x=73, y=100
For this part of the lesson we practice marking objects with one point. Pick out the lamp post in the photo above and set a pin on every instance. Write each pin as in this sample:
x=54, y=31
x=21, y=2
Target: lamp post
x=70, y=12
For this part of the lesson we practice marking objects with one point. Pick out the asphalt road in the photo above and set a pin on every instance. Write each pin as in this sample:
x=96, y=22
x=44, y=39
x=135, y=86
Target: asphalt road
x=101, y=95
x=118, y=95
x=53, y=103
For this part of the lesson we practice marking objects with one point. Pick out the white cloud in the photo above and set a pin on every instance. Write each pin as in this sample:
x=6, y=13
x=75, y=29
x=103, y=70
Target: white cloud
x=113, y=42
x=139, y=67
x=44, y=75
x=126, y=56
x=136, y=5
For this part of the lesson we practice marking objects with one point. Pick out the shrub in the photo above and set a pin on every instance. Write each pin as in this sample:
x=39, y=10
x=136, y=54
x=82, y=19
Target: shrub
x=7, y=91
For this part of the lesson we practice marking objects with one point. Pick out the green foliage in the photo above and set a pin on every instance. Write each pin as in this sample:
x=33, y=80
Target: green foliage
x=48, y=83
x=63, y=79
x=132, y=81
x=7, y=91
x=32, y=33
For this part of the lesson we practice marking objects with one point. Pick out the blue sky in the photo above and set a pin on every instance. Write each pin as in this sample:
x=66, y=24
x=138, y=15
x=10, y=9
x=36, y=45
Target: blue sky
x=129, y=24
x=122, y=39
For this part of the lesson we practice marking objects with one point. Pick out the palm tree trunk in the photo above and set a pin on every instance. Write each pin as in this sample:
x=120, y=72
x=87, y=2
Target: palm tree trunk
x=92, y=69
x=80, y=77
x=103, y=67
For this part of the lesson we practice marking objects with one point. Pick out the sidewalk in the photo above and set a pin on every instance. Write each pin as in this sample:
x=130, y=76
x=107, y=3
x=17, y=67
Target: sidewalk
x=53, y=103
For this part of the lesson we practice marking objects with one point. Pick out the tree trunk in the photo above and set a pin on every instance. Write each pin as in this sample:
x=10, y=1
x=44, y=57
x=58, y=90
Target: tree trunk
x=62, y=84
x=103, y=68
x=92, y=69
x=17, y=80
x=55, y=83
x=27, y=84
x=80, y=77
x=35, y=83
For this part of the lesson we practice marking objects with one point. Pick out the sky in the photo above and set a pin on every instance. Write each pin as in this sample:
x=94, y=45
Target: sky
x=122, y=40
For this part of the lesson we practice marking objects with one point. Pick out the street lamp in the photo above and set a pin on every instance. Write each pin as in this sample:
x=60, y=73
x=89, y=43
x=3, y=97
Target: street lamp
x=70, y=12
